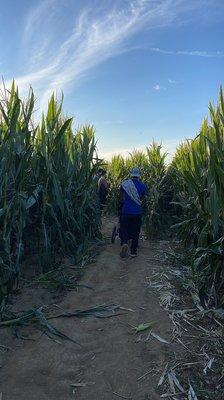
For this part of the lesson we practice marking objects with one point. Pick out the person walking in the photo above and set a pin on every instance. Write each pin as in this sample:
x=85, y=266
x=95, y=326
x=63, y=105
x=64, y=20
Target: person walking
x=97, y=176
x=132, y=192
x=103, y=189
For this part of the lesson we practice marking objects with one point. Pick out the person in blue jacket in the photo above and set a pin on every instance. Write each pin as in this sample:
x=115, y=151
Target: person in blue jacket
x=132, y=192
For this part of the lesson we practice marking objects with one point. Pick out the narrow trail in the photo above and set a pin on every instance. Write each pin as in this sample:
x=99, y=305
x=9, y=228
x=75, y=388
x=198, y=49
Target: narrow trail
x=113, y=362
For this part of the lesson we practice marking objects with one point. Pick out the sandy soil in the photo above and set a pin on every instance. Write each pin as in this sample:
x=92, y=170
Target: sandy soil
x=113, y=359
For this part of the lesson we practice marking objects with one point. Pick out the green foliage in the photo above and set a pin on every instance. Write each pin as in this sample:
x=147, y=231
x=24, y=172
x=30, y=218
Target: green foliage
x=156, y=178
x=194, y=184
x=198, y=176
x=117, y=172
x=47, y=191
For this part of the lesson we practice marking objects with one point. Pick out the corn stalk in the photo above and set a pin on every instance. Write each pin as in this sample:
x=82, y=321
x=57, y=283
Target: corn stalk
x=198, y=173
x=47, y=191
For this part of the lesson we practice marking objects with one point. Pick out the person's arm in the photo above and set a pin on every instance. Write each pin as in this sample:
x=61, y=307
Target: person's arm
x=143, y=191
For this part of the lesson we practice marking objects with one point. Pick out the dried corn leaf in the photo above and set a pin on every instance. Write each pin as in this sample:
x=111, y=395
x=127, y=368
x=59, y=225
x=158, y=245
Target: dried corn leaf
x=171, y=383
x=192, y=394
x=167, y=299
x=208, y=365
x=162, y=377
x=81, y=384
x=162, y=340
x=176, y=382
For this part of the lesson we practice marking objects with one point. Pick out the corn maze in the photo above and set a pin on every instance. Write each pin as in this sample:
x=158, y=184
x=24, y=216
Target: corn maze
x=48, y=195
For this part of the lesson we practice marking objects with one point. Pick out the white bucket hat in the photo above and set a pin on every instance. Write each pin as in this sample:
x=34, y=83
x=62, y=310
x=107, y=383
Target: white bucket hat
x=135, y=172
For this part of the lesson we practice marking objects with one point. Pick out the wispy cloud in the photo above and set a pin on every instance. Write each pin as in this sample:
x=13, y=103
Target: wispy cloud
x=158, y=87
x=194, y=53
x=100, y=30
x=34, y=16
x=172, y=81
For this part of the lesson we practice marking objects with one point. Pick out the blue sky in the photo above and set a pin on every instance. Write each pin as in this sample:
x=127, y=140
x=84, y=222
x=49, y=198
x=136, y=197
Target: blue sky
x=135, y=69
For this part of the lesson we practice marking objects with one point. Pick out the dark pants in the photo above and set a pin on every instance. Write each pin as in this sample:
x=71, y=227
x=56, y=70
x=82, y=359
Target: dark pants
x=130, y=226
x=103, y=200
x=103, y=193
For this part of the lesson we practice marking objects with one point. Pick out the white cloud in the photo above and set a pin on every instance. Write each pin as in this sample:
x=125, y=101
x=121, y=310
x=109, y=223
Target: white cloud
x=158, y=87
x=35, y=15
x=172, y=81
x=193, y=53
x=100, y=31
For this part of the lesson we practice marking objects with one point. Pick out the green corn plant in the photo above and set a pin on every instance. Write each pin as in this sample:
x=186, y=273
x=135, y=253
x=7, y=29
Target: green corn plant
x=158, y=192
x=198, y=175
x=47, y=191
x=117, y=172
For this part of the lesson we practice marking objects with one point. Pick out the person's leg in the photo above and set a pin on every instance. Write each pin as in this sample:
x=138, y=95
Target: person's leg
x=124, y=236
x=102, y=202
x=123, y=230
x=136, y=227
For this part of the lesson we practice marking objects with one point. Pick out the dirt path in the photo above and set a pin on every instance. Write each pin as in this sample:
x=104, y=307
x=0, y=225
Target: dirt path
x=112, y=360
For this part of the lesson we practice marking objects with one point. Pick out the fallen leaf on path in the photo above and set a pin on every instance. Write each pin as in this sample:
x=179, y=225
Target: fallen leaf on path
x=162, y=377
x=159, y=338
x=171, y=383
x=78, y=384
x=208, y=365
x=167, y=298
x=143, y=327
x=126, y=309
x=176, y=382
x=192, y=394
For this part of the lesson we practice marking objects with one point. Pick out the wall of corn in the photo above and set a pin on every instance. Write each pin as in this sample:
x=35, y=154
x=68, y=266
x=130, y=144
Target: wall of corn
x=47, y=188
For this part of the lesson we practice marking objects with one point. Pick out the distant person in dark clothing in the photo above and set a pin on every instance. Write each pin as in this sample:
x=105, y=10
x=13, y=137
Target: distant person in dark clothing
x=103, y=189
x=132, y=192
x=97, y=175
